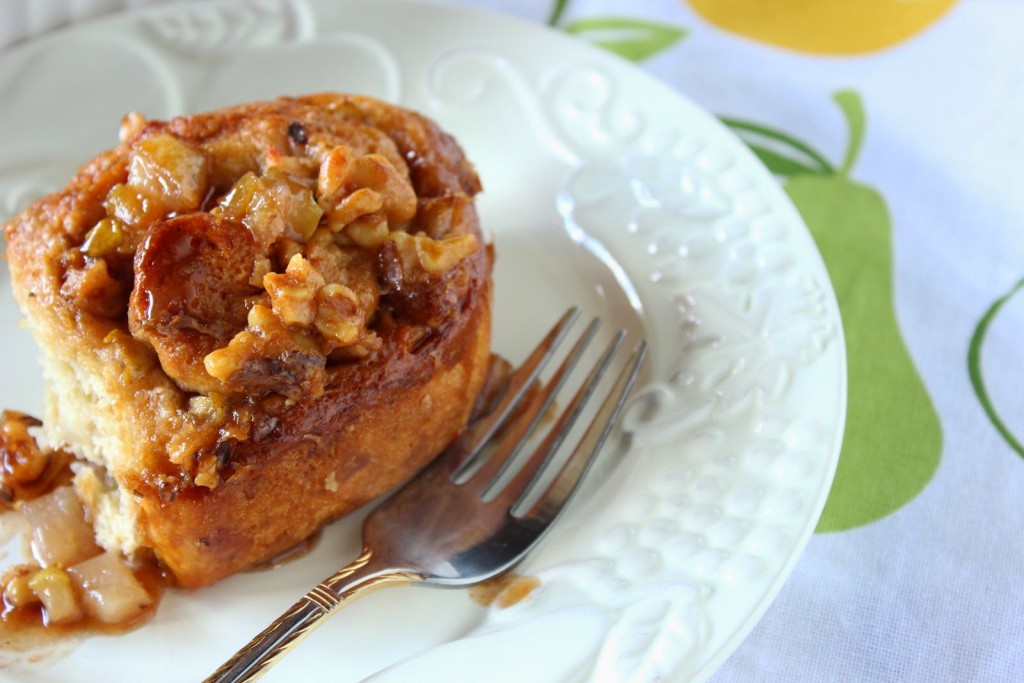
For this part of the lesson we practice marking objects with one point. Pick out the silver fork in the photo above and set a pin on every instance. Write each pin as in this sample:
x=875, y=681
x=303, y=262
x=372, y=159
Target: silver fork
x=472, y=514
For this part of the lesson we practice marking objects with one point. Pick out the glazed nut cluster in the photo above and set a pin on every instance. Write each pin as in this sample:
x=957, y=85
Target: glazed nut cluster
x=269, y=269
x=26, y=470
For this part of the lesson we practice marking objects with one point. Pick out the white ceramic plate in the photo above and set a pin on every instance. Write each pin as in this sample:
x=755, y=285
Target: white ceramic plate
x=603, y=188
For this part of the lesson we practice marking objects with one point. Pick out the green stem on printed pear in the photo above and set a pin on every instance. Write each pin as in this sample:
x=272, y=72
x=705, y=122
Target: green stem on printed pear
x=557, y=10
x=853, y=111
x=821, y=164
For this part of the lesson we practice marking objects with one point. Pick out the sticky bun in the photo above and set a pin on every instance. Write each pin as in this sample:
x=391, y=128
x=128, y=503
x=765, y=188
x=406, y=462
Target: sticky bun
x=254, y=320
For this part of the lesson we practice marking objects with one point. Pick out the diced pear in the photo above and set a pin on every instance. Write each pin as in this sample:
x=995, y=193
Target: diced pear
x=132, y=206
x=61, y=536
x=110, y=592
x=170, y=171
x=107, y=236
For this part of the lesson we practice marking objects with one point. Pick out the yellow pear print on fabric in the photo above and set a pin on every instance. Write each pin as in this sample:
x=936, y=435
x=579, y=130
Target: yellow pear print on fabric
x=828, y=27
x=893, y=439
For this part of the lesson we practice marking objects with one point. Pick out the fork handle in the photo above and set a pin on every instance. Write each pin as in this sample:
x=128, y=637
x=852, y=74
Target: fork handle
x=275, y=641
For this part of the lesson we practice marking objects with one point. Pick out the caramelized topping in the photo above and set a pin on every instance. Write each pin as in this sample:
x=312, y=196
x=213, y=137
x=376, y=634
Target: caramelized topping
x=192, y=277
x=256, y=295
x=245, y=256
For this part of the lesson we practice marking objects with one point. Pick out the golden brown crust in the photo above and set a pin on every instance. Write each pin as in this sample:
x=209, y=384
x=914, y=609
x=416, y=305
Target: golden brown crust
x=321, y=408
x=324, y=461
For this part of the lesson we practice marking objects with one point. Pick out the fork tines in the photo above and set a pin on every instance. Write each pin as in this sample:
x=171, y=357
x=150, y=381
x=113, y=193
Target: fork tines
x=459, y=522
x=522, y=417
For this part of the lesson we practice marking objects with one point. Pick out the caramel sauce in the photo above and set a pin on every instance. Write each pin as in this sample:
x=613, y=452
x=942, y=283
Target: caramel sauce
x=23, y=631
x=299, y=550
x=504, y=590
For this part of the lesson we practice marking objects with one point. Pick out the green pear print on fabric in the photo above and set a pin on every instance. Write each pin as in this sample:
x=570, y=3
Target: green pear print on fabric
x=893, y=438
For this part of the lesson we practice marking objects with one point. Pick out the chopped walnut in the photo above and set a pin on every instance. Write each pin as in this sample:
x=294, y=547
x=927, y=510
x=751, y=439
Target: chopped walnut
x=207, y=474
x=433, y=257
x=17, y=593
x=361, y=202
x=349, y=265
x=300, y=168
x=350, y=187
x=211, y=409
x=131, y=124
x=54, y=588
x=338, y=317
x=23, y=460
x=416, y=285
x=368, y=232
x=206, y=413
x=269, y=356
x=301, y=297
x=28, y=471
x=293, y=293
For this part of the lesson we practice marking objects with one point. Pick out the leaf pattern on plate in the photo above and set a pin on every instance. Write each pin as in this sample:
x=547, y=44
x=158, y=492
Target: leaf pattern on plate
x=717, y=257
x=217, y=29
x=39, y=159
